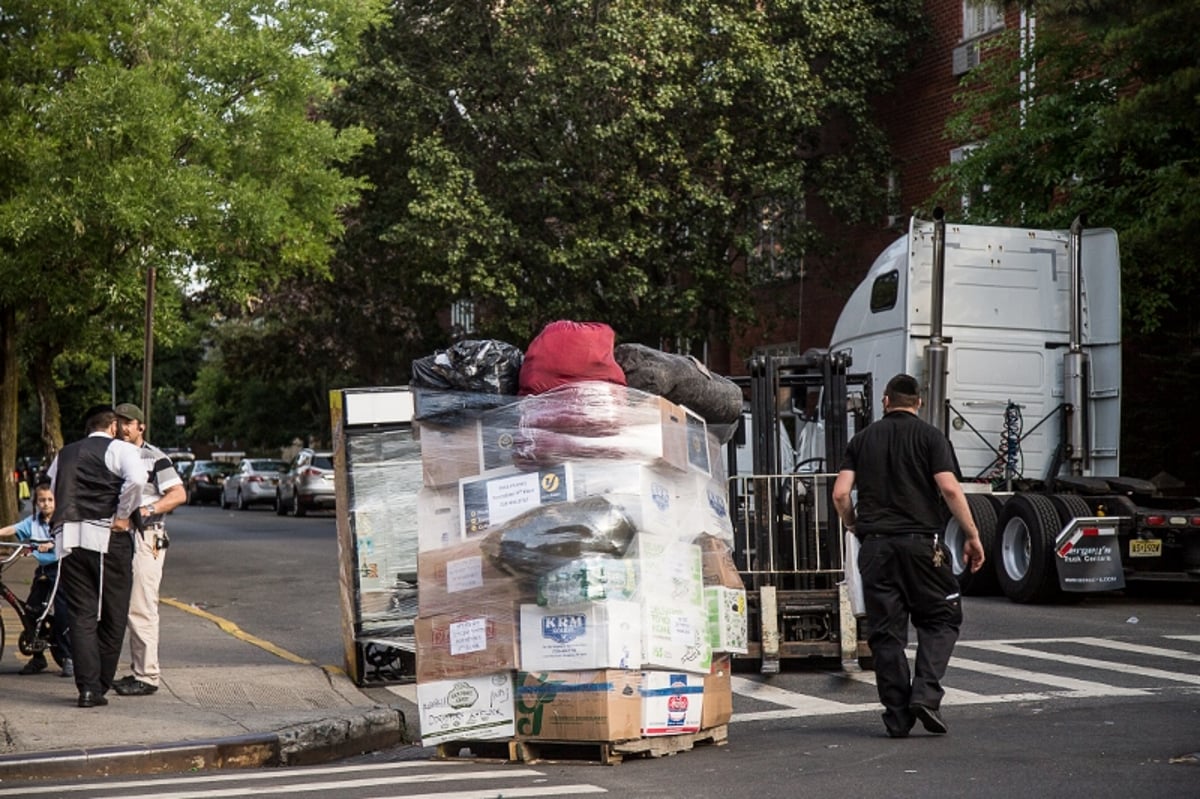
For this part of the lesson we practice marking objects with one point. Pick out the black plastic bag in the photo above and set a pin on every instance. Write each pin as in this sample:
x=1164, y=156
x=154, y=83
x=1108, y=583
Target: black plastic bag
x=550, y=536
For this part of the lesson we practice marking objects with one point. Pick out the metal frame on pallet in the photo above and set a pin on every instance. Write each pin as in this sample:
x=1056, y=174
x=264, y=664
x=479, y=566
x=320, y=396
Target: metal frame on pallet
x=788, y=539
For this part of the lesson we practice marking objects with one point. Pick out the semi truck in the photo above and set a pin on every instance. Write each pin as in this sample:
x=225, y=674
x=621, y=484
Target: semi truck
x=1015, y=337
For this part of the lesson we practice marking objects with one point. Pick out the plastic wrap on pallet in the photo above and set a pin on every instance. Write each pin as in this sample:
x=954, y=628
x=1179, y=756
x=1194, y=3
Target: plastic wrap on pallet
x=383, y=485
x=550, y=536
x=629, y=425
x=653, y=568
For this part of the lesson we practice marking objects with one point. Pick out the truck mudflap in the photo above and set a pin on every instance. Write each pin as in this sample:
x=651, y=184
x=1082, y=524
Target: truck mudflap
x=1088, y=555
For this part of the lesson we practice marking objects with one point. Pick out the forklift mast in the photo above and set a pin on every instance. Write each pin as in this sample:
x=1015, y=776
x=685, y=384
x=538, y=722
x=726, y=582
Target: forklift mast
x=787, y=541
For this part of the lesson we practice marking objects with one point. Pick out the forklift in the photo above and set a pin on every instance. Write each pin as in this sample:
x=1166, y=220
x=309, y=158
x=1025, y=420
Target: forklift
x=800, y=411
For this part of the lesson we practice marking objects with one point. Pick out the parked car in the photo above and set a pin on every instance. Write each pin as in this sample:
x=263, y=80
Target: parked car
x=206, y=479
x=307, y=484
x=253, y=483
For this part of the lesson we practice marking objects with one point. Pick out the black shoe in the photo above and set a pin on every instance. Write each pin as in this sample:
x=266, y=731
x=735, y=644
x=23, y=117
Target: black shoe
x=134, y=687
x=930, y=719
x=34, y=666
x=91, y=699
x=900, y=731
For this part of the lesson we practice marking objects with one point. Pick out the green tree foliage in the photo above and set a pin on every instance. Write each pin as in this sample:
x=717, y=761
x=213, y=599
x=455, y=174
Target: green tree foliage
x=175, y=133
x=1106, y=123
x=607, y=160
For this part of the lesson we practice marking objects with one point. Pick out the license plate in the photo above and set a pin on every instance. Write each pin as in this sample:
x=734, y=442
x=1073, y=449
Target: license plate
x=274, y=482
x=1145, y=548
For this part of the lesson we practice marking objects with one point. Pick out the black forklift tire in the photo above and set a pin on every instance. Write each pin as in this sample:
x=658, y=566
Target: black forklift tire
x=1025, y=564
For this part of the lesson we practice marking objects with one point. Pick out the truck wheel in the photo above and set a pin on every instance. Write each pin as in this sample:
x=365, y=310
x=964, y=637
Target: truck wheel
x=1025, y=567
x=984, y=510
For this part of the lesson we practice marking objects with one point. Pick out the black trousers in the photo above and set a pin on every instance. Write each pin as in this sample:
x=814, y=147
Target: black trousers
x=96, y=642
x=901, y=582
x=39, y=592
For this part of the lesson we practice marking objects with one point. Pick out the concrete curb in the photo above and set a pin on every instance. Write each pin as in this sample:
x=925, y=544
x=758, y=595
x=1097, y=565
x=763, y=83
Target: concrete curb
x=302, y=744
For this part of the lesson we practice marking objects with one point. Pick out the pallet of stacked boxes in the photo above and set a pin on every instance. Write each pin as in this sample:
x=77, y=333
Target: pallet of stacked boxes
x=567, y=539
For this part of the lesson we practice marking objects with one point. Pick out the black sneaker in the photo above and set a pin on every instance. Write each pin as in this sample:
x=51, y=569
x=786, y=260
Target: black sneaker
x=134, y=687
x=930, y=719
x=36, y=665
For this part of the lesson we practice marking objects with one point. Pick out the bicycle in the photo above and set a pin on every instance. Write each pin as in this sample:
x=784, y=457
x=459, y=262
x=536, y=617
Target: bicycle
x=37, y=626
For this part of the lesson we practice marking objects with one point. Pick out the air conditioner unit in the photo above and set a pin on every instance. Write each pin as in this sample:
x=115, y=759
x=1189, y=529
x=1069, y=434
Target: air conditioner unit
x=965, y=57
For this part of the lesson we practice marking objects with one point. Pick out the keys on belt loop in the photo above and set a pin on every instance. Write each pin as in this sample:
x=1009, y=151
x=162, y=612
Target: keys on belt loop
x=939, y=557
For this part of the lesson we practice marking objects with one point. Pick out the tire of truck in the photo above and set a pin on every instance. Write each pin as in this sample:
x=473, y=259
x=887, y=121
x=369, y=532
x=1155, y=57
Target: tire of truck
x=1068, y=507
x=985, y=508
x=1025, y=564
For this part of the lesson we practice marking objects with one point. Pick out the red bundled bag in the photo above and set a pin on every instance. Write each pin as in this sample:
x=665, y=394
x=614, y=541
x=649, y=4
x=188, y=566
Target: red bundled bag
x=567, y=352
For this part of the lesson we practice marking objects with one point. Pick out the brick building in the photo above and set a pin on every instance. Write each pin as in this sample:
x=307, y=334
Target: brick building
x=800, y=314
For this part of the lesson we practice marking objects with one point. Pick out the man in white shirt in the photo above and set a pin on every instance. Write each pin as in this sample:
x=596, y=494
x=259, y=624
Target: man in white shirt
x=97, y=484
x=163, y=493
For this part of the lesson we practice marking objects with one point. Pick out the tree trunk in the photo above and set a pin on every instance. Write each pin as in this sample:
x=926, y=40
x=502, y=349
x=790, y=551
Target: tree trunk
x=10, y=383
x=41, y=373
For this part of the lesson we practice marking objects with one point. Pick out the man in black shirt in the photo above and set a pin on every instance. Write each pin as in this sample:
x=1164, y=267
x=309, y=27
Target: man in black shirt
x=903, y=468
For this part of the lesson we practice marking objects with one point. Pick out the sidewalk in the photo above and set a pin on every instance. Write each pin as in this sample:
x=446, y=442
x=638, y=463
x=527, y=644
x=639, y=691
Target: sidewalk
x=224, y=702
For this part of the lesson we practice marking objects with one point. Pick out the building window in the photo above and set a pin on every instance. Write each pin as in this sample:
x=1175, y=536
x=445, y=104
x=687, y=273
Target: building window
x=980, y=18
x=961, y=154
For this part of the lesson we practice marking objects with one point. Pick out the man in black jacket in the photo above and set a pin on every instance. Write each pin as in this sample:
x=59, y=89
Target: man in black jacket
x=903, y=468
x=97, y=484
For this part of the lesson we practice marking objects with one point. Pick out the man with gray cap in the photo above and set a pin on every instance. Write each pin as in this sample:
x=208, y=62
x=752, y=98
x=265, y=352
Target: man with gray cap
x=162, y=493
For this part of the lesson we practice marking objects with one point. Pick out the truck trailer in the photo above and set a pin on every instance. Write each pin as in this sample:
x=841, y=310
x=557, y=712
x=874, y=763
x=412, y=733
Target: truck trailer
x=1015, y=337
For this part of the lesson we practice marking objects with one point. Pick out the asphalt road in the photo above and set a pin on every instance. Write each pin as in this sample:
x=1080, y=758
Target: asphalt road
x=1098, y=699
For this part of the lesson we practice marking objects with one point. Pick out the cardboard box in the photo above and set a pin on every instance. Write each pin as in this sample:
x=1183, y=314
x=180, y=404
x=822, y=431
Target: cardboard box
x=718, y=693
x=466, y=709
x=669, y=570
x=495, y=497
x=460, y=579
x=468, y=644
x=728, y=626
x=671, y=434
x=675, y=637
x=654, y=497
x=588, y=579
x=672, y=702
x=591, y=635
x=707, y=501
x=452, y=452
x=603, y=705
x=716, y=559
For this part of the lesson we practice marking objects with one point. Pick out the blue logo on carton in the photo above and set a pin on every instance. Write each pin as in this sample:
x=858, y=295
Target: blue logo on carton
x=718, y=505
x=564, y=627
x=660, y=495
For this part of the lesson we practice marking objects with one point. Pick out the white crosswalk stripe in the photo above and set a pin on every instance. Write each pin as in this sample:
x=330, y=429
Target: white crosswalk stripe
x=433, y=780
x=1041, y=663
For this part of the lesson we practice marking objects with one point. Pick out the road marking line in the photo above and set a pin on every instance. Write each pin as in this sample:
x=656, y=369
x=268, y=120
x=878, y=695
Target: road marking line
x=235, y=631
x=368, y=782
x=1140, y=649
x=780, y=696
x=540, y=790
x=1078, y=688
x=1107, y=665
x=238, y=776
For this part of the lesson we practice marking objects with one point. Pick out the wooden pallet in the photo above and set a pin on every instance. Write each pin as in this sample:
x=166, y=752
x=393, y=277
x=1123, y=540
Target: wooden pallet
x=608, y=753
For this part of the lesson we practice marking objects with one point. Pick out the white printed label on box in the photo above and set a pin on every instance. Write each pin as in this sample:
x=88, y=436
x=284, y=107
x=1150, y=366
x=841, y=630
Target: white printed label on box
x=471, y=708
x=464, y=574
x=468, y=636
x=682, y=633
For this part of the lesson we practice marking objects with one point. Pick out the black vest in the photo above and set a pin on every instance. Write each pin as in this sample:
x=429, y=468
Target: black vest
x=85, y=489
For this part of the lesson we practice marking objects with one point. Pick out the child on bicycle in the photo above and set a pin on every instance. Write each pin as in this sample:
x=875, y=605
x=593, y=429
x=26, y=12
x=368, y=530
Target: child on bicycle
x=35, y=529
